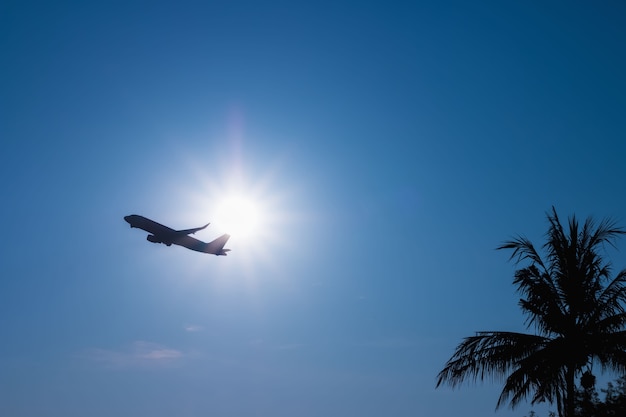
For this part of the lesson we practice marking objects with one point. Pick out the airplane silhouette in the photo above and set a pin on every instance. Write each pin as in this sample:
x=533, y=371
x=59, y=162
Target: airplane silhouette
x=167, y=236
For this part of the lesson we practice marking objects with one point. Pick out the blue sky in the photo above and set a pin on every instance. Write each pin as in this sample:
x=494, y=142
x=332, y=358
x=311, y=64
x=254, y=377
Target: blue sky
x=388, y=149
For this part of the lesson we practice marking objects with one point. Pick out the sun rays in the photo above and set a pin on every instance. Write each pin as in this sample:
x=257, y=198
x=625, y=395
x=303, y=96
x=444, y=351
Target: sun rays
x=240, y=215
x=253, y=209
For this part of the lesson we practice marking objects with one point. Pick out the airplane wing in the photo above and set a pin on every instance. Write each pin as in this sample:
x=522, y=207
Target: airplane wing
x=191, y=231
x=216, y=247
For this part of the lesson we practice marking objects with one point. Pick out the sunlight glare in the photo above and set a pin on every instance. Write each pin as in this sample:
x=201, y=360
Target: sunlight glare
x=239, y=216
x=255, y=210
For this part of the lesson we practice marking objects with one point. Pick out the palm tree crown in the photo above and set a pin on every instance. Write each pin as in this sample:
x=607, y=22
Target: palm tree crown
x=576, y=308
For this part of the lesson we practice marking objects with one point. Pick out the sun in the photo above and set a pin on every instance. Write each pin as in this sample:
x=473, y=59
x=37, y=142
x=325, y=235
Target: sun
x=255, y=210
x=239, y=215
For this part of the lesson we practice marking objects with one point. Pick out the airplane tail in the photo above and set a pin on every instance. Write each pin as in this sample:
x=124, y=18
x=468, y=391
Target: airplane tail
x=216, y=247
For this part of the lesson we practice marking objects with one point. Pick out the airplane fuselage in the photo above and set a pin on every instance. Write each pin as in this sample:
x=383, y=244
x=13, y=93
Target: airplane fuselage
x=163, y=234
x=160, y=233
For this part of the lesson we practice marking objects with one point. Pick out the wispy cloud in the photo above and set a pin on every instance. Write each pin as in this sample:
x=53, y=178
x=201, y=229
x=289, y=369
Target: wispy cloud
x=262, y=344
x=192, y=328
x=139, y=355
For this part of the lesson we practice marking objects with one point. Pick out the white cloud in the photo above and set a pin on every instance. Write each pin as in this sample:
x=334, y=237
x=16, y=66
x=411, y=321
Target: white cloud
x=161, y=354
x=193, y=328
x=139, y=355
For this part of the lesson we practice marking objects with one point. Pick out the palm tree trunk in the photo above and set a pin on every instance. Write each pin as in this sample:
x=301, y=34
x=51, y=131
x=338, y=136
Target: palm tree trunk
x=570, y=391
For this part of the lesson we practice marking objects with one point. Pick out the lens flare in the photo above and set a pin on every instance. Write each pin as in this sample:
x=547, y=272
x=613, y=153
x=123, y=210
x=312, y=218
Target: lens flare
x=238, y=215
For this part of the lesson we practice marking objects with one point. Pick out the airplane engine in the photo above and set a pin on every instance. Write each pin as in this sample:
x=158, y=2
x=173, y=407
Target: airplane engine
x=153, y=239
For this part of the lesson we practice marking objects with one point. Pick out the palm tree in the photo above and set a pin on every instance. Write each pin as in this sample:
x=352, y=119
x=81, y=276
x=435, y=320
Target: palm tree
x=578, y=313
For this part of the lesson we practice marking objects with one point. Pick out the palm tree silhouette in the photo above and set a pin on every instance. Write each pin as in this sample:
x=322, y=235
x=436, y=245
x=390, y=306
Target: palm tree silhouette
x=578, y=313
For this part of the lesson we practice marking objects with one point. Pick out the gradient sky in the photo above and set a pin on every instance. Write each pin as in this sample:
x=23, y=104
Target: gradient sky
x=389, y=147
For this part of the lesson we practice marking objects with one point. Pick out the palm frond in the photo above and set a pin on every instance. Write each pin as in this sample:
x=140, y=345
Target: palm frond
x=543, y=302
x=557, y=244
x=522, y=249
x=610, y=324
x=612, y=299
x=606, y=232
x=612, y=351
x=488, y=353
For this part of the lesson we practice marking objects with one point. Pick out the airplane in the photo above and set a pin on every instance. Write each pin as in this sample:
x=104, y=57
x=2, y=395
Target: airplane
x=167, y=236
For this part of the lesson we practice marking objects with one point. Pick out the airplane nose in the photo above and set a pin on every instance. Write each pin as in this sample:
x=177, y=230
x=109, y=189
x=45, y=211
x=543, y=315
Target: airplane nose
x=127, y=218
